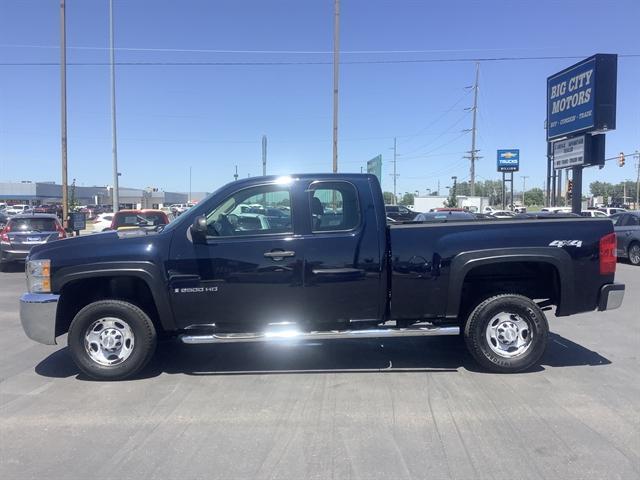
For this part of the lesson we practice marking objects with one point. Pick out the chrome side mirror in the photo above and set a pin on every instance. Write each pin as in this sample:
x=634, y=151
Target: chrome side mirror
x=199, y=229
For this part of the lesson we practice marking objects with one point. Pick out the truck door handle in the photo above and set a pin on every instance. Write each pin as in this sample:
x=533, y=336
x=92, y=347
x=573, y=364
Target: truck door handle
x=279, y=254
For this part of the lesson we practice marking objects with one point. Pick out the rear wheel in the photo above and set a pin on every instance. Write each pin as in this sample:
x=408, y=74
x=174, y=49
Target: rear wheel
x=506, y=333
x=634, y=253
x=111, y=339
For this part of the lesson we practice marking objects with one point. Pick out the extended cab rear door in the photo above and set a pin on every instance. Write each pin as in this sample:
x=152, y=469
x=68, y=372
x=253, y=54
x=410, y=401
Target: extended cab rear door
x=343, y=272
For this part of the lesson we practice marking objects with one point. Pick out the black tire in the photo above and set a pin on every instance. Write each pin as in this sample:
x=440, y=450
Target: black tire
x=475, y=332
x=139, y=323
x=634, y=258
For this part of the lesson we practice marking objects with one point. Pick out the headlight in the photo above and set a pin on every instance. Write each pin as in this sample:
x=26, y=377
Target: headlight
x=39, y=276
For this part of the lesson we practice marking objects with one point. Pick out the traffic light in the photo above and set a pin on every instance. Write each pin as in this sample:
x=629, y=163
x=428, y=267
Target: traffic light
x=621, y=159
x=569, y=189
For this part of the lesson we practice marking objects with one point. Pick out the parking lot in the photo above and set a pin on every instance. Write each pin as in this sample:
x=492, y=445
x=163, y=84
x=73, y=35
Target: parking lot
x=405, y=408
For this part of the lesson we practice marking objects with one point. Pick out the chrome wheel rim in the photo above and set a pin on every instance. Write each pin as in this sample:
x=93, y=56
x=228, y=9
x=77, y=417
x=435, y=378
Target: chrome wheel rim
x=109, y=341
x=634, y=254
x=509, y=335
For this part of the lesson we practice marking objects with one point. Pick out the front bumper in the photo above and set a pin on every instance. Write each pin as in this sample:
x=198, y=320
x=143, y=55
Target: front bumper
x=611, y=296
x=38, y=316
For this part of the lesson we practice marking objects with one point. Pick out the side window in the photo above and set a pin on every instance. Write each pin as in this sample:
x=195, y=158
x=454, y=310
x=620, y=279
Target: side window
x=633, y=221
x=261, y=210
x=622, y=221
x=403, y=210
x=334, y=206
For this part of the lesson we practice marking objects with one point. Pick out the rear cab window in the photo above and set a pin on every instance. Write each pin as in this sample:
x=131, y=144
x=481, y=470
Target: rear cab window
x=334, y=206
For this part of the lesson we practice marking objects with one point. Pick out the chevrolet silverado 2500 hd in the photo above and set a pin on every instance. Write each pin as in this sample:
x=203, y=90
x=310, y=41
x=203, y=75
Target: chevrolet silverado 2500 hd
x=312, y=256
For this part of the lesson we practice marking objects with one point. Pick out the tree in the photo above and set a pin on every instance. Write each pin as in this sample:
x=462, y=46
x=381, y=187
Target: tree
x=601, y=189
x=407, y=199
x=388, y=198
x=452, y=201
x=534, y=196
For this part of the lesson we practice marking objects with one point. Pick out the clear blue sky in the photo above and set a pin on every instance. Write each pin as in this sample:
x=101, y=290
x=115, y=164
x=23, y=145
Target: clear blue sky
x=212, y=117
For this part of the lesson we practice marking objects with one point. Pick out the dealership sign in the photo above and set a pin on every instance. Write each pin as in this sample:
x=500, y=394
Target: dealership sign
x=582, y=98
x=568, y=153
x=586, y=150
x=374, y=166
x=509, y=160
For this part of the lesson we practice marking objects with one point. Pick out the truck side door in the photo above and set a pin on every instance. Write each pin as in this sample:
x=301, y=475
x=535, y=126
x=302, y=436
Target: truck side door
x=343, y=278
x=248, y=273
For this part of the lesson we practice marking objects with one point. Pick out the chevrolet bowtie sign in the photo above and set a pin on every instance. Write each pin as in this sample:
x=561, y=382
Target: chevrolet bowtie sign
x=509, y=160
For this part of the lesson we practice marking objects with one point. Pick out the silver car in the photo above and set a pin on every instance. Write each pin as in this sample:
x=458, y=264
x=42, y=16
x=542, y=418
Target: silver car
x=627, y=228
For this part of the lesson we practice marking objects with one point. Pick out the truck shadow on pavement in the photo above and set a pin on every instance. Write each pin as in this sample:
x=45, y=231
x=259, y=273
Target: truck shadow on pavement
x=444, y=354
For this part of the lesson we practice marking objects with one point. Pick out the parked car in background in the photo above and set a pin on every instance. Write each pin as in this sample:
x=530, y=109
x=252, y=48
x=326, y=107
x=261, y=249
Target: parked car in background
x=627, y=228
x=399, y=213
x=4, y=218
x=484, y=216
x=3, y=206
x=503, y=214
x=593, y=213
x=22, y=232
x=147, y=219
x=180, y=208
x=44, y=208
x=102, y=222
x=444, y=216
x=612, y=210
x=17, y=209
x=556, y=209
x=547, y=215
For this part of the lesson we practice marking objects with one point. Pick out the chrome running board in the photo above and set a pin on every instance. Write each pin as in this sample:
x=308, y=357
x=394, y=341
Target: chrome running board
x=293, y=334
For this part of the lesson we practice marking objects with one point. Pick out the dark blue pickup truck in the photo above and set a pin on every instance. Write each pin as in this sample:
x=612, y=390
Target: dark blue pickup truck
x=312, y=257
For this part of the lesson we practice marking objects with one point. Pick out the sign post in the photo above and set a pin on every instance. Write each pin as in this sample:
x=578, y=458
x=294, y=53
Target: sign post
x=581, y=105
x=374, y=167
x=508, y=161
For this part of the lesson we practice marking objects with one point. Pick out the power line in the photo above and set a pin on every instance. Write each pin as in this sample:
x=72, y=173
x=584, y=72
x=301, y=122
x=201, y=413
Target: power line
x=434, y=140
x=271, y=52
x=294, y=63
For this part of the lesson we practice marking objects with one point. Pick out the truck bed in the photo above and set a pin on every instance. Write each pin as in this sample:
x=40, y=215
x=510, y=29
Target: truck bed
x=430, y=262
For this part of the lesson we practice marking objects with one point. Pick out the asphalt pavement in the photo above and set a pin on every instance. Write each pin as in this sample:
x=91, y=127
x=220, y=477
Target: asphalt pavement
x=393, y=409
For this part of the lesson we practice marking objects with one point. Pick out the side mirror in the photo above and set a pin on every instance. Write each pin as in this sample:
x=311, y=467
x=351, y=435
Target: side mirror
x=199, y=229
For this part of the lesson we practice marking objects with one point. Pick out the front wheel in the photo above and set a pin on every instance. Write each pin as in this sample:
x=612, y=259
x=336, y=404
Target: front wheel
x=111, y=339
x=506, y=333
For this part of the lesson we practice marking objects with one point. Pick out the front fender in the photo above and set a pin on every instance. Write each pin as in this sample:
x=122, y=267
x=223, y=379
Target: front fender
x=145, y=270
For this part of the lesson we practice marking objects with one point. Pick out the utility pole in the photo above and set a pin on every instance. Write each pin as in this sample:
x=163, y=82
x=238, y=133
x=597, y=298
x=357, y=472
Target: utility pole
x=524, y=189
x=637, y=155
x=394, y=174
x=114, y=143
x=473, y=154
x=438, y=188
x=336, y=53
x=264, y=155
x=63, y=110
x=235, y=176
x=189, y=199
